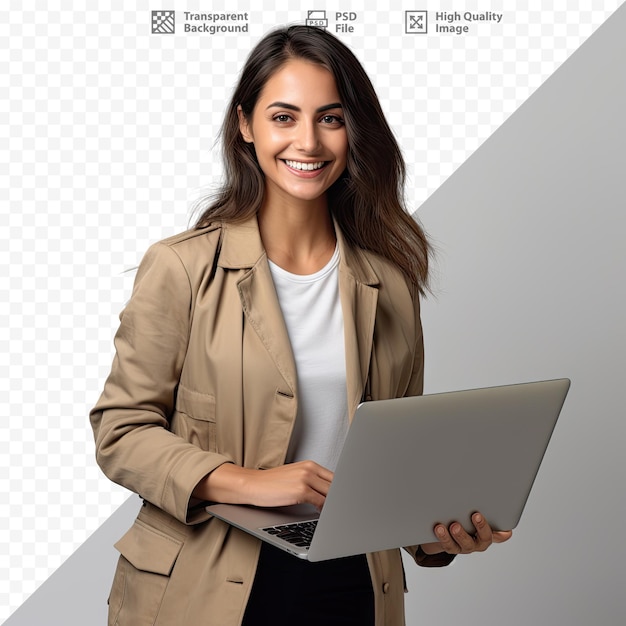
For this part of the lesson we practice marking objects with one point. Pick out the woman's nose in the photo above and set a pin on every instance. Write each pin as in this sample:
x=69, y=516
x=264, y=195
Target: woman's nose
x=307, y=139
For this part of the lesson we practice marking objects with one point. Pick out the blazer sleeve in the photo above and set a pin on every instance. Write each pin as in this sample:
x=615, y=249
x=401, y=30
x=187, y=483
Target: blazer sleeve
x=130, y=420
x=416, y=388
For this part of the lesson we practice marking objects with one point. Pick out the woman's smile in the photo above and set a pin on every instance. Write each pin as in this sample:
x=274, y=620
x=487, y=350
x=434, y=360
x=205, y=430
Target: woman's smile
x=305, y=170
x=299, y=165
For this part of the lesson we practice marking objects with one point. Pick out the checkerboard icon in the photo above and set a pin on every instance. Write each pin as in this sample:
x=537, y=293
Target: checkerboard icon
x=163, y=22
x=416, y=22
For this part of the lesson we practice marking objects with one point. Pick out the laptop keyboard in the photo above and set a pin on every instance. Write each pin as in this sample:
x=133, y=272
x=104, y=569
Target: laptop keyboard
x=297, y=533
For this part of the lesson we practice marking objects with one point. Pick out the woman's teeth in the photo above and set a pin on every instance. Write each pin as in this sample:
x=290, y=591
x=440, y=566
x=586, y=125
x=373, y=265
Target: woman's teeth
x=297, y=165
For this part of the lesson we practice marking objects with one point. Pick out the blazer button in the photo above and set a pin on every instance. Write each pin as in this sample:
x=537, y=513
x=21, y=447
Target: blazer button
x=386, y=588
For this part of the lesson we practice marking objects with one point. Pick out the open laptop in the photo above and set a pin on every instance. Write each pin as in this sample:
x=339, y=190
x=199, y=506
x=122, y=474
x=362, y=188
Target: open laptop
x=410, y=463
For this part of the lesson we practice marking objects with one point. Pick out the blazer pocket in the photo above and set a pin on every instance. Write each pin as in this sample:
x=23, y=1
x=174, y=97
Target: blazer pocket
x=194, y=418
x=147, y=558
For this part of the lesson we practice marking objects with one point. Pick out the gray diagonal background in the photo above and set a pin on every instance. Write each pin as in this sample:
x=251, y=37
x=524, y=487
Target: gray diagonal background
x=531, y=285
x=531, y=261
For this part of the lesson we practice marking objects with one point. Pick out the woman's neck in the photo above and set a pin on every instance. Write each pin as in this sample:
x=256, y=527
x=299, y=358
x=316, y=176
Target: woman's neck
x=299, y=237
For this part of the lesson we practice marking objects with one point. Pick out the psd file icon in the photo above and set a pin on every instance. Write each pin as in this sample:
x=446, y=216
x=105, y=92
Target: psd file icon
x=317, y=18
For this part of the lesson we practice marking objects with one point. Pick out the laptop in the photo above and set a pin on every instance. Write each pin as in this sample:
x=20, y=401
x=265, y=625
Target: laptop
x=410, y=463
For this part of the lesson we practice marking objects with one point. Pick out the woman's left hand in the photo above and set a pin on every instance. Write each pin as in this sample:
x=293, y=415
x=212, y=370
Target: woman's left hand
x=455, y=540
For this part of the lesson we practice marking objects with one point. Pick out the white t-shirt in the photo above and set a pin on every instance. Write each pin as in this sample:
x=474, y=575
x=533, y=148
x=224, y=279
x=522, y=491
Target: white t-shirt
x=314, y=319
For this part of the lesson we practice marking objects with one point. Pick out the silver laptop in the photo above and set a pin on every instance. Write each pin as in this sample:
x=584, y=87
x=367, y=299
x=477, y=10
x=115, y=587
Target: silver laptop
x=410, y=463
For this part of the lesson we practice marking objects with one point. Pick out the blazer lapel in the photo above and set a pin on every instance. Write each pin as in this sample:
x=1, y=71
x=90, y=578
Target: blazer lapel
x=262, y=309
x=242, y=249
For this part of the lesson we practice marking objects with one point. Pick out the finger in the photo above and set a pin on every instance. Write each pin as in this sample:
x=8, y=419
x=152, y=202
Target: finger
x=500, y=536
x=313, y=469
x=484, y=533
x=325, y=474
x=316, y=499
x=466, y=542
x=317, y=495
x=315, y=476
x=448, y=544
x=323, y=481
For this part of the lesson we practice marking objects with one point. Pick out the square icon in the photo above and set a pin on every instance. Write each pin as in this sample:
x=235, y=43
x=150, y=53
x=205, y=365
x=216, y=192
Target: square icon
x=163, y=22
x=416, y=22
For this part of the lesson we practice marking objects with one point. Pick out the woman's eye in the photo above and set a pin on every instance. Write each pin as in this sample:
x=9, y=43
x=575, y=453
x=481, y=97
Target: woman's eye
x=282, y=118
x=332, y=119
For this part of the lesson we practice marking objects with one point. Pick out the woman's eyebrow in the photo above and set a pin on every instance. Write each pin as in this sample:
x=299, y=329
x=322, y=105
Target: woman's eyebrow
x=293, y=107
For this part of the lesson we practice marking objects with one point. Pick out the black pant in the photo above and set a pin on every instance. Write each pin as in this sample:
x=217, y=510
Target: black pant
x=289, y=591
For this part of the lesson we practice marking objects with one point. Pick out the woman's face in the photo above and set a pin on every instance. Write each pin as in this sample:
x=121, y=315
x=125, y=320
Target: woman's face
x=298, y=132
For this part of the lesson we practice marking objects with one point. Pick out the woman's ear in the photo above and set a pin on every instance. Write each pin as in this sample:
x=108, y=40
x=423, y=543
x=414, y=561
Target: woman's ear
x=244, y=126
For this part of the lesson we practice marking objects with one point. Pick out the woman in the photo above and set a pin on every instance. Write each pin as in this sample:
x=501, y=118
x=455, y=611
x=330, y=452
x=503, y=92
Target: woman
x=300, y=282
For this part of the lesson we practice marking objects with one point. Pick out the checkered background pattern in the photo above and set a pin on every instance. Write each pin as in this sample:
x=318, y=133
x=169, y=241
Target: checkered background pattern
x=107, y=135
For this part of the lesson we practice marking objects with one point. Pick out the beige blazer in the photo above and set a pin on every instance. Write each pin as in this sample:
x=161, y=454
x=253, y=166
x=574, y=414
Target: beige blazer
x=203, y=375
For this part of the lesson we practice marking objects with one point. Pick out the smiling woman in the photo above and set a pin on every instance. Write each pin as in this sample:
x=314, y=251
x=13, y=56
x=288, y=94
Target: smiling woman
x=250, y=340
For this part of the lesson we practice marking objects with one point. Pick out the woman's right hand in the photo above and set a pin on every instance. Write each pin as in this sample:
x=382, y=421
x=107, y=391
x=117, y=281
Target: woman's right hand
x=304, y=482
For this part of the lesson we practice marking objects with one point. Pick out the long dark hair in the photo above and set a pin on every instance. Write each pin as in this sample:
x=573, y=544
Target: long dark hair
x=367, y=200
